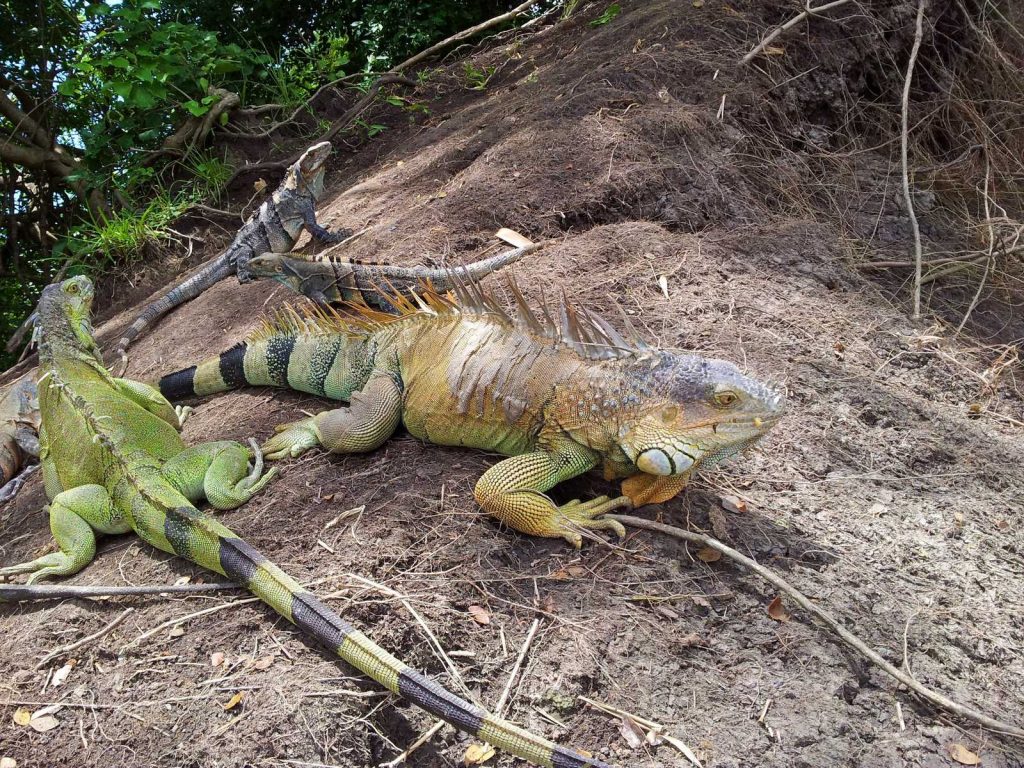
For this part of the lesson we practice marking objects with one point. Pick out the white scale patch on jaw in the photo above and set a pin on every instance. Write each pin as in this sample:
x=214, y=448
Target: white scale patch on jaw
x=657, y=461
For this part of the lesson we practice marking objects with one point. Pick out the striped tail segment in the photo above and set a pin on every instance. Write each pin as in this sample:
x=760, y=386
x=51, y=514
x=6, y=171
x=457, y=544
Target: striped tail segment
x=290, y=352
x=208, y=543
x=213, y=272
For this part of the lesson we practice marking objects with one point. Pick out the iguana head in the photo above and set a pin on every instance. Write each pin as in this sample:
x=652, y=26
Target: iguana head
x=297, y=274
x=681, y=413
x=308, y=171
x=64, y=323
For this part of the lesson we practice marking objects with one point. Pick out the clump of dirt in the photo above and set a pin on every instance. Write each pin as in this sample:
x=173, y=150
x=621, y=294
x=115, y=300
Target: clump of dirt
x=890, y=494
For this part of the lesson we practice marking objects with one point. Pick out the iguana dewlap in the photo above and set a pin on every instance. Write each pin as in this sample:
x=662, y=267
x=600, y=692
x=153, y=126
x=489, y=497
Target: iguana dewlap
x=557, y=397
x=113, y=462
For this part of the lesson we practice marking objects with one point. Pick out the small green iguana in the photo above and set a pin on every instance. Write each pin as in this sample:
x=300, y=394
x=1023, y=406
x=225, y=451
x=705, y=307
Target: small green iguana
x=19, y=426
x=113, y=461
x=557, y=397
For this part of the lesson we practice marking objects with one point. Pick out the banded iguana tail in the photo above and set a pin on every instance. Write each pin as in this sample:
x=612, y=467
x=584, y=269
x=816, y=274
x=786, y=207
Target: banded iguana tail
x=558, y=398
x=113, y=461
x=19, y=427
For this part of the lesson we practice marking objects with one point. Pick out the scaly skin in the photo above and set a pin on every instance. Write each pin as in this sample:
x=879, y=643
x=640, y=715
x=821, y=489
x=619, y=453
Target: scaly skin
x=275, y=227
x=19, y=426
x=558, y=400
x=113, y=462
x=342, y=281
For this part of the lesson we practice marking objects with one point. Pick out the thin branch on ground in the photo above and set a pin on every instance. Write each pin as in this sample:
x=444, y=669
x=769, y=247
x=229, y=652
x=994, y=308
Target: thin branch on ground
x=904, y=140
x=64, y=649
x=423, y=739
x=182, y=619
x=991, y=248
x=499, y=709
x=830, y=621
x=517, y=11
x=805, y=13
x=21, y=592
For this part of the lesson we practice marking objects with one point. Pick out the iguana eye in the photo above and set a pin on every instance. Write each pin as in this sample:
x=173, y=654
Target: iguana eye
x=726, y=398
x=72, y=289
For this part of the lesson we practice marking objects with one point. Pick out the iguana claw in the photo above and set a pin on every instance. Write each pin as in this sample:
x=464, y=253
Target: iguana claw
x=183, y=411
x=292, y=439
x=586, y=514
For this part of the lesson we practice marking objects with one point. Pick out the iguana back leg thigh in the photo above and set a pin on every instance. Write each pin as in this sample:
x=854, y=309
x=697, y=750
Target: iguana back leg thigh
x=218, y=472
x=513, y=491
x=371, y=418
x=75, y=516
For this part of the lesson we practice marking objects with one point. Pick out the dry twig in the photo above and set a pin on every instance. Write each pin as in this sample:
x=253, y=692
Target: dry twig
x=904, y=138
x=21, y=592
x=805, y=13
x=84, y=641
x=830, y=621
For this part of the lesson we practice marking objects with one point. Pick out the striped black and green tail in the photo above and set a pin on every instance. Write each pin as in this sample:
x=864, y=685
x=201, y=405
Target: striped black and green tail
x=316, y=353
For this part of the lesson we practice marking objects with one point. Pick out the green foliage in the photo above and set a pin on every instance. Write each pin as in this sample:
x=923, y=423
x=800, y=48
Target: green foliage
x=610, y=13
x=210, y=173
x=477, y=79
x=120, y=240
x=297, y=74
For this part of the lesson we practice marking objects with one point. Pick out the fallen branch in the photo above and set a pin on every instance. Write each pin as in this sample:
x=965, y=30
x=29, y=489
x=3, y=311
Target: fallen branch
x=517, y=11
x=805, y=13
x=21, y=592
x=831, y=622
x=904, y=140
x=84, y=641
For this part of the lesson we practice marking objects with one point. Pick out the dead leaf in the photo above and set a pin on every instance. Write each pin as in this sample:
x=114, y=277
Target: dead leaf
x=8, y=762
x=689, y=640
x=1003, y=525
x=709, y=555
x=182, y=580
x=43, y=724
x=22, y=716
x=216, y=659
x=698, y=3
x=777, y=611
x=733, y=504
x=61, y=675
x=569, y=572
x=259, y=185
x=963, y=755
x=176, y=631
x=479, y=614
x=631, y=732
x=663, y=284
x=264, y=662
x=51, y=709
x=478, y=753
x=774, y=50
x=234, y=701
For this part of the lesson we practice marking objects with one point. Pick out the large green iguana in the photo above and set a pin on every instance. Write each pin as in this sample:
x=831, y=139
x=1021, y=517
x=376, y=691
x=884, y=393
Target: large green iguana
x=113, y=462
x=273, y=230
x=557, y=397
x=19, y=424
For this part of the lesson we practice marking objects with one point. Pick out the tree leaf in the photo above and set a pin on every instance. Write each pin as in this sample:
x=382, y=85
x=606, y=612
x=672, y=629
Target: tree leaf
x=709, y=555
x=479, y=614
x=43, y=724
x=478, y=753
x=963, y=755
x=22, y=716
x=777, y=611
x=234, y=701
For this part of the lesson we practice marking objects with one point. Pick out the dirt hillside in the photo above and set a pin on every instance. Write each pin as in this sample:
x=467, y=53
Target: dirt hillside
x=891, y=494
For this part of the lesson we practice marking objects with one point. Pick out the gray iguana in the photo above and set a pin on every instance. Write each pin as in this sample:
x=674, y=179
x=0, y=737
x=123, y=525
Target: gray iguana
x=113, y=461
x=19, y=426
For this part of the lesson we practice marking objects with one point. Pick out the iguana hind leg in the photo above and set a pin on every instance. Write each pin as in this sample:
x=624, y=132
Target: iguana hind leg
x=75, y=516
x=513, y=491
x=218, y=472
x=371, y=418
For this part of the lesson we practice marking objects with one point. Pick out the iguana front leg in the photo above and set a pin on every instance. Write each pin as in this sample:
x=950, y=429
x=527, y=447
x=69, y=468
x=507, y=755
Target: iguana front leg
x=150, y=398
x=319, y=232
x=218, y=472
x=513, y=491
x=371, y=418
x=75, y=516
